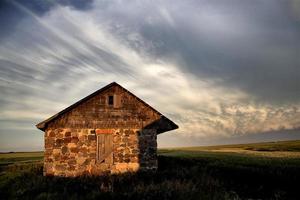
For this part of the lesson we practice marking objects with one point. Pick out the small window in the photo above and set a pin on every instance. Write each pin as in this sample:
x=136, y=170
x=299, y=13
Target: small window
x=110, y=100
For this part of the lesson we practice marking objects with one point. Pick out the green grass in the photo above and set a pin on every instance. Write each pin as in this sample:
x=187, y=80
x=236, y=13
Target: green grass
x=21, y=154
x=293, y=145
x=17, y=157
x=183, y=173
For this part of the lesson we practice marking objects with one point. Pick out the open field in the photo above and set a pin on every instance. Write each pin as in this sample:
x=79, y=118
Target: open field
x=281, y=149
x=20, y=157
x=220, y=172
x=290, y=146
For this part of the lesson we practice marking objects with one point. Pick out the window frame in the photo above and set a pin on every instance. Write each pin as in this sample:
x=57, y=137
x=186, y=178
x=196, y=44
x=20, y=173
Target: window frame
x=110, y=100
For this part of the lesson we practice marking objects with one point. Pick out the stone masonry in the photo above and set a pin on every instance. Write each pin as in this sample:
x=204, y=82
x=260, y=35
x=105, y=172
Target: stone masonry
x=72, y=152
x=74, y=138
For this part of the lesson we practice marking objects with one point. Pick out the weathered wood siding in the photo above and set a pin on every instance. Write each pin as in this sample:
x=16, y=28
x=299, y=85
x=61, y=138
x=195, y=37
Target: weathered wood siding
x=96, y=113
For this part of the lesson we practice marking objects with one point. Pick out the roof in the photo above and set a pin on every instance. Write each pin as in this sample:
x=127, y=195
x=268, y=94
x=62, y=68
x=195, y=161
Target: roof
x=162, y=125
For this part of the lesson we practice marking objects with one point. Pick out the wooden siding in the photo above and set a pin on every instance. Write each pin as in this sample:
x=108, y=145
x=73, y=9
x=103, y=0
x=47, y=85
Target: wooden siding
x=104, y=147
x=127, y=112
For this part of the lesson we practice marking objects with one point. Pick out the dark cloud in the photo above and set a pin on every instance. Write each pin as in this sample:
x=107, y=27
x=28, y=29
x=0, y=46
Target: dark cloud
x=250, y=45
x=11, y=14
x=42, y=7
x=226, y=68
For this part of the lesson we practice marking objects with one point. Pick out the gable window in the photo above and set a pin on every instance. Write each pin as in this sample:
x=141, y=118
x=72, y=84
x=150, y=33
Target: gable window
x=110, y=100
x=114, y=101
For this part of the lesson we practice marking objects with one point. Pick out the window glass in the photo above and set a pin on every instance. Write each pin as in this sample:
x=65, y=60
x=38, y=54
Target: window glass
x=110, y=100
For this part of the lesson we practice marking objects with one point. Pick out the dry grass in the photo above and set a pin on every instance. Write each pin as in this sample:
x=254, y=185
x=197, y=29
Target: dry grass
x=21, y=154
x=252, y=171
x=20, y=157
x=275, y=154
x=282, y=149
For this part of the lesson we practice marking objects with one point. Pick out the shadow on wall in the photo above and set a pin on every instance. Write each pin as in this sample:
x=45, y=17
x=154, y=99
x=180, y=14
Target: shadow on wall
x=133, y=149
x=147, y=142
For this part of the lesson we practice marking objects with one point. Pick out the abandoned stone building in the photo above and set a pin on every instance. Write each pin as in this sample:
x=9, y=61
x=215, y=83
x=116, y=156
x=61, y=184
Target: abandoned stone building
x=109, y=131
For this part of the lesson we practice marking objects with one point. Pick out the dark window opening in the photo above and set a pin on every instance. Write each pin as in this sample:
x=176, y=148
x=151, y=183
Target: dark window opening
x=110, y=100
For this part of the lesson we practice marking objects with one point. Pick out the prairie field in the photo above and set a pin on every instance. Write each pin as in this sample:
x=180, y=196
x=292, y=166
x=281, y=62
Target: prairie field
x=20, y=157
x=246, y=171
x=267, y=149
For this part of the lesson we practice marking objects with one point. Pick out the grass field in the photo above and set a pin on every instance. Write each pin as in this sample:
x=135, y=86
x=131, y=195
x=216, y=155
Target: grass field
x=286, y=146
x=250, y=171
x=279, y=149
x=20, y=157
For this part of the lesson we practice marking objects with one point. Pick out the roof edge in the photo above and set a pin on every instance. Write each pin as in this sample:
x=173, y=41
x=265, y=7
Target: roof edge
x=43, y=125
x=162, y=125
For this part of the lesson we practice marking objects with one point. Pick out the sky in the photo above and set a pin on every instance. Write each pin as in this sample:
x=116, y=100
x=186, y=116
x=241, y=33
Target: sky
x=224, y=71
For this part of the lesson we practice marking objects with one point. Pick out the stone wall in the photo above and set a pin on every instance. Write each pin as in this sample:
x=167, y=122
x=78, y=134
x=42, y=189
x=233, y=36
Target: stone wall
x=71, y=138
x=72, y=152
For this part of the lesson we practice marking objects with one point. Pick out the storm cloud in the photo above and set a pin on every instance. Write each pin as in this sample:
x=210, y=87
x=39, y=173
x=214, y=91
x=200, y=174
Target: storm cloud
x=253, y=46
x=218, y=69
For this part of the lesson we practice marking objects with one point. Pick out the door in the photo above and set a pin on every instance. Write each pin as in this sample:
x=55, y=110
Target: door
x=104, y=148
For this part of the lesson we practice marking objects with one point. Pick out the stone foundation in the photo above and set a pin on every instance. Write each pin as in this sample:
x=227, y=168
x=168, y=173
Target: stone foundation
x=72, y=152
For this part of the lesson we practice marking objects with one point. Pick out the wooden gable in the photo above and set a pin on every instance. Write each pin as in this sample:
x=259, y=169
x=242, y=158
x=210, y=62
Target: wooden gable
x=96, y=111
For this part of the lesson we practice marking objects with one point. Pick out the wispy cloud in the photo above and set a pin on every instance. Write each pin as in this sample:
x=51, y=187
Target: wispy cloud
x=216, y=69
